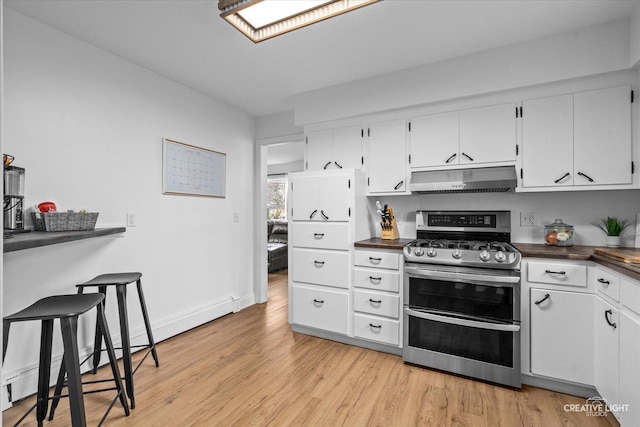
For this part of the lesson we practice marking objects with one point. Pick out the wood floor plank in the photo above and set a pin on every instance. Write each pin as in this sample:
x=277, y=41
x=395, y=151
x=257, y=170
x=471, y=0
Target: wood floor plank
x=250, y=369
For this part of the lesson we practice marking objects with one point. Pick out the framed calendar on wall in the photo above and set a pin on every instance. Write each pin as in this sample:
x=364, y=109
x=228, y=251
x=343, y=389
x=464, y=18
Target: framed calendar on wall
x=191, y=170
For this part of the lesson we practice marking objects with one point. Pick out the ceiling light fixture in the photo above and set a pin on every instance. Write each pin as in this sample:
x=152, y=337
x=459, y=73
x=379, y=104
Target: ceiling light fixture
x=263, y=19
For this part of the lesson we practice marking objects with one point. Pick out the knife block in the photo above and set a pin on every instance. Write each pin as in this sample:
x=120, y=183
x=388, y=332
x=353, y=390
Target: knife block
x=391, y=233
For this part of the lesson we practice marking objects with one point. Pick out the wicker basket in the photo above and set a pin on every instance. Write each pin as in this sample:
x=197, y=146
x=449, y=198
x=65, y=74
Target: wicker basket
x=64, y=221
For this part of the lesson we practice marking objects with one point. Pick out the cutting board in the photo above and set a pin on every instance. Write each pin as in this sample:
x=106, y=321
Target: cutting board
x=631, y=256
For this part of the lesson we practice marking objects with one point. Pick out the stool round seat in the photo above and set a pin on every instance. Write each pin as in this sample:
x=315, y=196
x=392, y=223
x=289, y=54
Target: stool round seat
x=67, y=309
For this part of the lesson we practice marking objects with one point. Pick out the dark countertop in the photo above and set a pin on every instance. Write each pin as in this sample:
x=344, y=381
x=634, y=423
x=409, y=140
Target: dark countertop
x=35, y=239
x=583, y=253
x=378, y=243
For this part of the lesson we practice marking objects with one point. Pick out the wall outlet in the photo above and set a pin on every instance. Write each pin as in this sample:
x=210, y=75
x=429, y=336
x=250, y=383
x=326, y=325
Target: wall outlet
x=131, y=219
x=527, y=219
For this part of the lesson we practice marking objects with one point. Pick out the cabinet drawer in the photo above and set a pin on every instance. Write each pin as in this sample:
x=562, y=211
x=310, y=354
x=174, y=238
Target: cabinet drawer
x=373, y=328
x=320, y=235
x=330, y=268
x=321, y=309
x=557, y=273
x=376, y=303
x=607, y=283
x=379, y=279
x=377, y=259
x=630, y=294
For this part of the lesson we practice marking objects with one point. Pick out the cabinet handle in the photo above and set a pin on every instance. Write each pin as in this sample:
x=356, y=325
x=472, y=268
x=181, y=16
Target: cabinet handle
x=318, y=301
x=555, y=272
x=318, y=235
x=398, y=185
x=324, y=215
x=546, y=297
x=377, y=279
x=375, y=326
x=607, y=313
x=467, y=156
x=604, y=282
x=375, y=301
x=557, y=181
x=313, y=214
x=320, y=263
x=586, y=176
x=338, y=165
x=375, y=260
x=453, y=156
x=327, y=165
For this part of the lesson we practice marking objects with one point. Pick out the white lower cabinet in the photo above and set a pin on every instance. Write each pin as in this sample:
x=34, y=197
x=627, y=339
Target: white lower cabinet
x=629, y=370
x=606, y=372
x=377, y=300
x=585, y=328
x=562, y=335
x=321, y=308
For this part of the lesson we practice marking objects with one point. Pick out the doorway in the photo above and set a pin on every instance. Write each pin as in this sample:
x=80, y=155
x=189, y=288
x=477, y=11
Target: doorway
x=276, y=157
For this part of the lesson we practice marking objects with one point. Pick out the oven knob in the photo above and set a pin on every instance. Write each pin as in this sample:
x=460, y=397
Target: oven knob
x=485, y=255
x=418, y=252
x=457, y=253
x=500, y=256
x=431, y=252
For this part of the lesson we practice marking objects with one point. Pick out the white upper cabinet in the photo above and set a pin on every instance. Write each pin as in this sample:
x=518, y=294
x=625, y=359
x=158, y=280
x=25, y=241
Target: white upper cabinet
x=547, y=141
x=434, y=140
x=488, y=135
x=321, y=199
x=468, y=137
x=602, y=136
x=387, y=157
x=581, y=139
x=334, y=148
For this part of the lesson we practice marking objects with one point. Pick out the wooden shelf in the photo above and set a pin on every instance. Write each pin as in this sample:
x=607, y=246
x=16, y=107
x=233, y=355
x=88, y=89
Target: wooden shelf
x=34, y=239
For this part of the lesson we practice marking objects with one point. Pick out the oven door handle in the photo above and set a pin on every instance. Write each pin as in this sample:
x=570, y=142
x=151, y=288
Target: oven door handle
x=476, y=279
x=463, y=322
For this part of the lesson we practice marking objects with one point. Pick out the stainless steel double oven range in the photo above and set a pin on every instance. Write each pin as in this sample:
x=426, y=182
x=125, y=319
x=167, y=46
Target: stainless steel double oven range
x=462, y=295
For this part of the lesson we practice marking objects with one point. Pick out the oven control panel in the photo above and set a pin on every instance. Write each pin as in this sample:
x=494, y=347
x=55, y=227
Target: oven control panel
x=477, y=221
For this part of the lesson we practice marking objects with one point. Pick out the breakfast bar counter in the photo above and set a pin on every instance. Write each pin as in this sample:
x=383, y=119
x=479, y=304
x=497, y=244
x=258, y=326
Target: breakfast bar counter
x=34, y=239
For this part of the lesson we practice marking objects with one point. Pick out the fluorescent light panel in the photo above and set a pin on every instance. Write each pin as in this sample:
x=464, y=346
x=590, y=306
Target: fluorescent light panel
x=263, y=19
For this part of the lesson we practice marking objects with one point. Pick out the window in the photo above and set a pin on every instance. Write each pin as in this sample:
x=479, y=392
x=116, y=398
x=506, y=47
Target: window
x=277, y=197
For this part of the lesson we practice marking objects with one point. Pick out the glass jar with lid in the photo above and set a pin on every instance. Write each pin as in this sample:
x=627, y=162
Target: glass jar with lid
x=558, y=234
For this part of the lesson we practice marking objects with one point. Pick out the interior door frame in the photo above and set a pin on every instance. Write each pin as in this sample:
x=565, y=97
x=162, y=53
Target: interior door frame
x=260, y=239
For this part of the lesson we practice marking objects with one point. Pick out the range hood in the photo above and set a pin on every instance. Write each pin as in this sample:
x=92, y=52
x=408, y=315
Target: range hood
x=477, y=180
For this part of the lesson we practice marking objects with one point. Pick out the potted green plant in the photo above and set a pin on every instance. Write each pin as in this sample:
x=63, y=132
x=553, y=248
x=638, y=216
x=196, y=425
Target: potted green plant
x=613, y=228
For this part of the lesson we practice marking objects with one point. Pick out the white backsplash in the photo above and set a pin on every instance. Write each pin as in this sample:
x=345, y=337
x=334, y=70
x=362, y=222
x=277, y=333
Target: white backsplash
x=577, y=208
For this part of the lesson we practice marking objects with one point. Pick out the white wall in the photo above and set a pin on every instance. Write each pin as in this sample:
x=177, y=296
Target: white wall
x=579, y=209
x=590, y=51
x=88, y=128
x=635, y=38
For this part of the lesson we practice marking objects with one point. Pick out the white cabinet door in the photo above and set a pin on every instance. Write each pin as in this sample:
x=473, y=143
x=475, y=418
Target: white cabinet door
x=335, y=148
x=320, y=198
x=606, y=350
x=602, y=136
x=387, y=157
x=434, y=140
x=347, y=147
x=488, y=134
x=629, y=370
x=562, y=335
x=319, y=150
x=547, y=142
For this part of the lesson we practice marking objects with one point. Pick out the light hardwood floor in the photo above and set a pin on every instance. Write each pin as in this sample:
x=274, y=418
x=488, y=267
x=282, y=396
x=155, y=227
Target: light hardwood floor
x=249, y=369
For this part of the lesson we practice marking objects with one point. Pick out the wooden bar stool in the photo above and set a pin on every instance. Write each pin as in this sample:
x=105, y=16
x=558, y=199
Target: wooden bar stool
x=66, y=308
x=120, y=281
